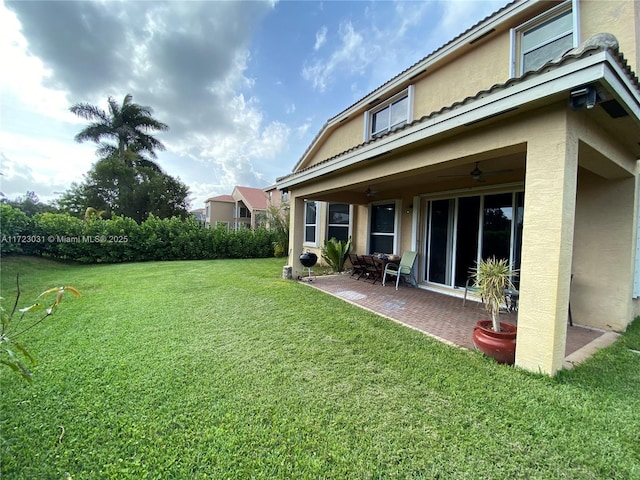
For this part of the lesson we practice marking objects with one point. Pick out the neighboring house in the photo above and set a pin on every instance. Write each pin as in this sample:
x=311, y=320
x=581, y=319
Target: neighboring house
x=244, y=208
x=199, y=215
x=519, y=138
x=276, y=197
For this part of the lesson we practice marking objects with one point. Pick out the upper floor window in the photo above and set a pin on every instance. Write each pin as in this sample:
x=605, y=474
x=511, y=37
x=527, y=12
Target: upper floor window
x=244, y=212
x=544, y=38
x=338, y=221
x=387, y=116
x=310, y=222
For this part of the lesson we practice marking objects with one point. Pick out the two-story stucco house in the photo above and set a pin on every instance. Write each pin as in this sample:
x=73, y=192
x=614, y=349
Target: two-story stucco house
x=520, y=138
x=244, y=208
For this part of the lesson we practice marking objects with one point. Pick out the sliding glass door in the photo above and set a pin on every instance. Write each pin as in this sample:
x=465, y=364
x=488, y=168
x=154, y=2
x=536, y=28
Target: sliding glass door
x=462, y=230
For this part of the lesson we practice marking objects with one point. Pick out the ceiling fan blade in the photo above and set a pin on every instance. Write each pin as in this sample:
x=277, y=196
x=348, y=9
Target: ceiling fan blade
x=497, y=172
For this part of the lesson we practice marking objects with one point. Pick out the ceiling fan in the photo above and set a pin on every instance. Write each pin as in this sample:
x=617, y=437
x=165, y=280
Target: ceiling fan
x=477, y=174
x=370, y=193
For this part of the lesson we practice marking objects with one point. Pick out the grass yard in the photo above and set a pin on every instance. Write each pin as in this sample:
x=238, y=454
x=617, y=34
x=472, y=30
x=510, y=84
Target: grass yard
x=221, y=369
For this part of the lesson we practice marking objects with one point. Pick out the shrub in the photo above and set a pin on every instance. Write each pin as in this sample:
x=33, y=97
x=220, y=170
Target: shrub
x=13, y=223
x=122, y=239
x=335, y=252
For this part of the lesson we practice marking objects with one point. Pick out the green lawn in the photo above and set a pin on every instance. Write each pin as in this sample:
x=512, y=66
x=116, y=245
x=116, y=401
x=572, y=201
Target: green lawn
x=221, y=369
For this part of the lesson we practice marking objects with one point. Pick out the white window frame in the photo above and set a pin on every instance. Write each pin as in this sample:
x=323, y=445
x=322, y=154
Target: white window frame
x=316, y=225
x=517, y=55
x=396, y=224
x=368, y=115
x=348, y=226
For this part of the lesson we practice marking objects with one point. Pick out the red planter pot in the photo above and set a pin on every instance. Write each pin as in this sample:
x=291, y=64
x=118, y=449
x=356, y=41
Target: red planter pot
x=498, y=345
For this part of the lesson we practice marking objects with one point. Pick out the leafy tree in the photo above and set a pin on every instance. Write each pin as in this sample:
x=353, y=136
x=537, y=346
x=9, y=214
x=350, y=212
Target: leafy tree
x=127, y=190
x=125, y=181
x=128, y=125
x=30, y=204
x=278, y=222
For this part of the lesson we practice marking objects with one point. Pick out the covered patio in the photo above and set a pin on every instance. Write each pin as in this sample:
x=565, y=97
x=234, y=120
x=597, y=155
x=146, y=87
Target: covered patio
x=442, y=316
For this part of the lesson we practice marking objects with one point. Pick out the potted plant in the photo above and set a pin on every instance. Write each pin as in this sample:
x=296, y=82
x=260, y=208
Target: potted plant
x=492, y=337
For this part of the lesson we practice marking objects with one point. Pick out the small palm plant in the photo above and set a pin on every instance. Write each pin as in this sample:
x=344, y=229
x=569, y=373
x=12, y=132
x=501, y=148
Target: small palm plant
x=492, y=277
x=11, y=350
x=335, y=253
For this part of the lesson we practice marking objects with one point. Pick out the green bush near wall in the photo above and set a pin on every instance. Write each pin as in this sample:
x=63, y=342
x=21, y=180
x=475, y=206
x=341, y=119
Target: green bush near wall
x=122, y=239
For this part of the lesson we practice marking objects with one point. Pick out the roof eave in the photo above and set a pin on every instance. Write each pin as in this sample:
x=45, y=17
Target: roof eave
x=600, y=66
x=477, y=31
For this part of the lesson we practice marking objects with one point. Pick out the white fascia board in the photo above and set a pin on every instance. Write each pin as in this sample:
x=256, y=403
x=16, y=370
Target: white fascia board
x=589, y=70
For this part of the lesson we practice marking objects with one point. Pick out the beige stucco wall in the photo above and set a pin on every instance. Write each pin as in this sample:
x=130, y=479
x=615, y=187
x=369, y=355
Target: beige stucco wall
x=346, y=135
x=220, y=212
x=476, y=70
x=619, y=17
x=603, y=252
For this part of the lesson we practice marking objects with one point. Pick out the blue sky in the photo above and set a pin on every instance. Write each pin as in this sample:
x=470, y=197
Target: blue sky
x=244, y=86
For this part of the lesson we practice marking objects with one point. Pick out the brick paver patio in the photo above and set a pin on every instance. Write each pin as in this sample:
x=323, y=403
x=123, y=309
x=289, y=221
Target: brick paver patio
x=438, y=315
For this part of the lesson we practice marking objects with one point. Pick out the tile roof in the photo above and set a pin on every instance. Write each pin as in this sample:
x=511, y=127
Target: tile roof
x=597, y=43
x=255, y=198
x=221, y=198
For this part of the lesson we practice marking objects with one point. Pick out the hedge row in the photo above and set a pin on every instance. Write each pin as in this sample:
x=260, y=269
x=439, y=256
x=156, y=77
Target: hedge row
x=121, y=239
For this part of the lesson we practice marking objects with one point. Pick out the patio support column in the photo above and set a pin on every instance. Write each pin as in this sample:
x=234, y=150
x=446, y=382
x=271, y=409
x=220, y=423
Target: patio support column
x=547, y=244
x=296, y=234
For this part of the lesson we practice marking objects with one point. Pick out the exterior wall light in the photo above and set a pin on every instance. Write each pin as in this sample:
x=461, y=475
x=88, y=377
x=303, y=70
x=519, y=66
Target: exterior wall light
x=583, y=97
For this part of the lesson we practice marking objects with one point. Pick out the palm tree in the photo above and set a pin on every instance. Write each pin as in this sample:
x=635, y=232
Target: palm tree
x=127, y=125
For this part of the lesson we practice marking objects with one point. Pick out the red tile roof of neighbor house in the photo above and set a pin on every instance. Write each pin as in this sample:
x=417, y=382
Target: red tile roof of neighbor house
x=254, y=198
x=221, y=198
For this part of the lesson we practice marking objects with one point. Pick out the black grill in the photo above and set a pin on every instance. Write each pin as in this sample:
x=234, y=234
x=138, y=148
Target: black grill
x=308, y=260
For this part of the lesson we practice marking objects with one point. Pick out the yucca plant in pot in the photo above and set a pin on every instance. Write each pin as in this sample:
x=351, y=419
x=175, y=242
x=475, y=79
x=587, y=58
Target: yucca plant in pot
x=494, y=338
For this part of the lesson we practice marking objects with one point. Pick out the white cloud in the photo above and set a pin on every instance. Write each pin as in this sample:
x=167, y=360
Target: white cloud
x=23, y=82
x=45, y=165
x=459, y=15
x=188, y=60
x=390, y=38
x=321, y=38
x=352, y=56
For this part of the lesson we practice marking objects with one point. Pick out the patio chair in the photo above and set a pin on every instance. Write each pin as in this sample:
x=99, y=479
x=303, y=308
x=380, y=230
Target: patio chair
x=511, y=296
x=357, y=267
x=404, y=268
x=469, y=288
x=373, y=270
